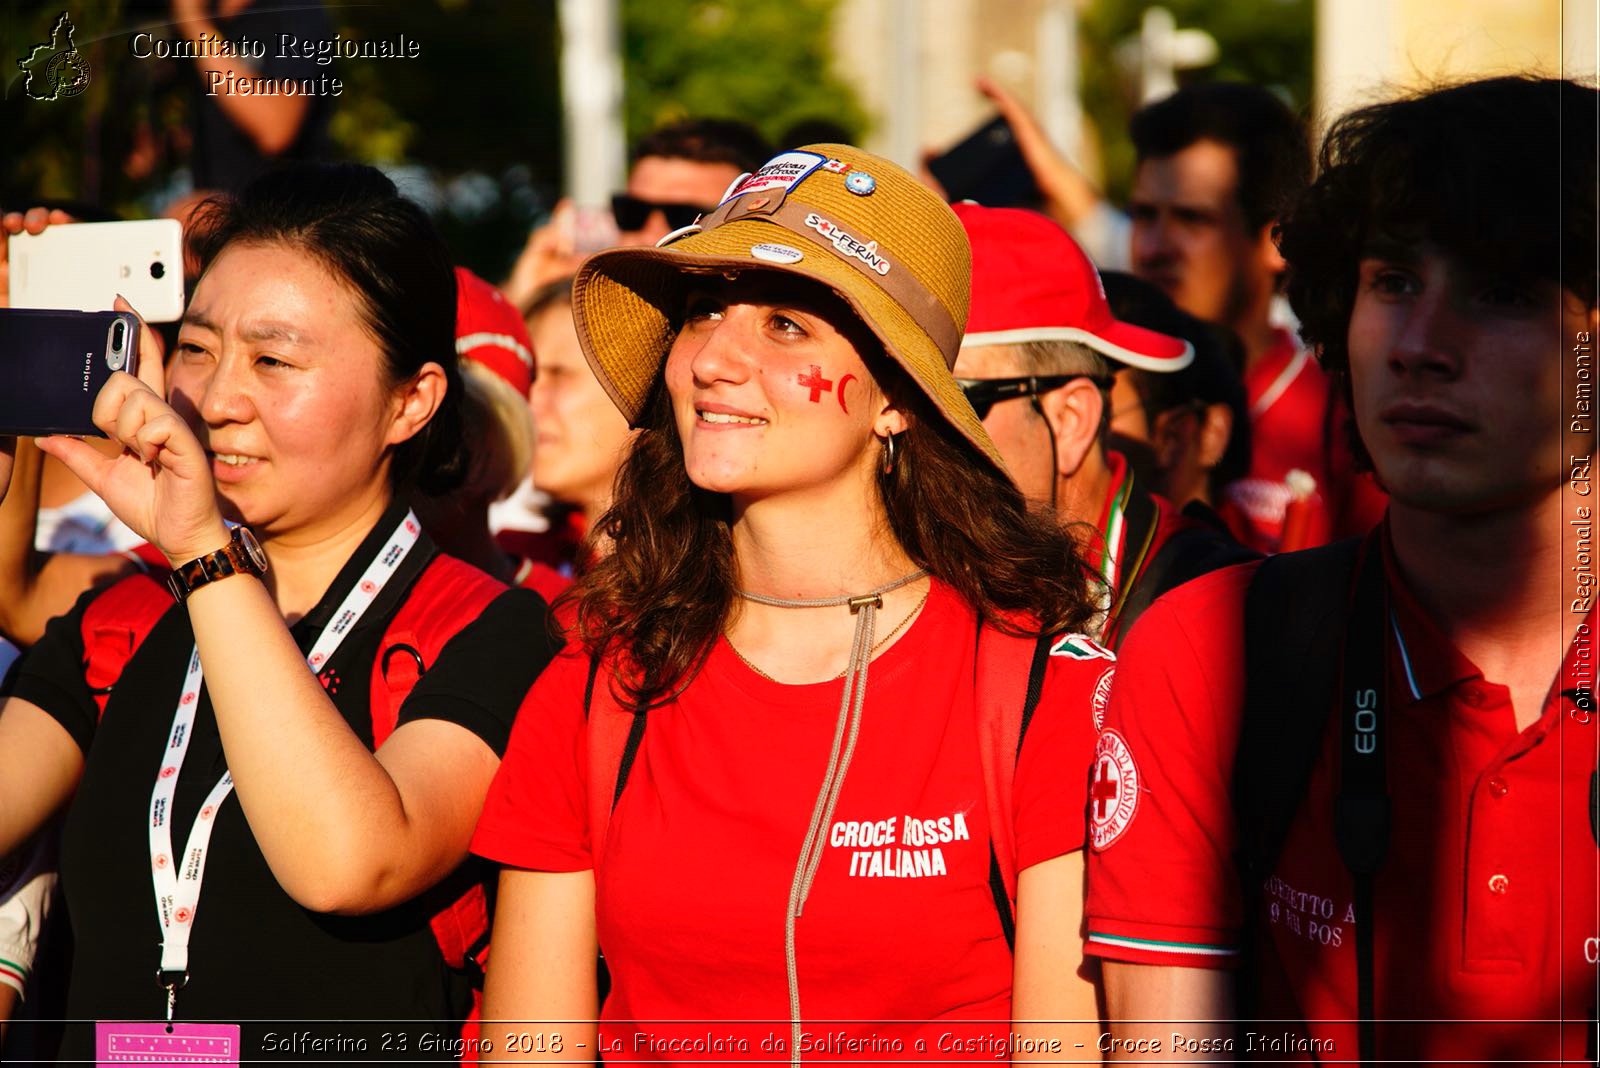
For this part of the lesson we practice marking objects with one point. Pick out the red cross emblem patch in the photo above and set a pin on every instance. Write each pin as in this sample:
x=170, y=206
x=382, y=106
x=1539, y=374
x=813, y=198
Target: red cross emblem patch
x=1114, y=794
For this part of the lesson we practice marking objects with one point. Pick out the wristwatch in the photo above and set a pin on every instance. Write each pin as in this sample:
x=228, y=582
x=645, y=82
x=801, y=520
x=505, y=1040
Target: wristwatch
x=241, y=556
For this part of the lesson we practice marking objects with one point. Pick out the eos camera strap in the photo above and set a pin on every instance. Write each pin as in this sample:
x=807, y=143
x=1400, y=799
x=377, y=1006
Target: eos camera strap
x=1361, y=811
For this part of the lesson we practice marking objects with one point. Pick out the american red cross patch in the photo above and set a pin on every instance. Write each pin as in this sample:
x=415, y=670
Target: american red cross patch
x=1114, y=793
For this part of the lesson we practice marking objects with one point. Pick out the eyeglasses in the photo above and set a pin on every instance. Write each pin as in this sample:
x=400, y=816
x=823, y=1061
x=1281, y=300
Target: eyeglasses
x=632, y=213
x=985, y=393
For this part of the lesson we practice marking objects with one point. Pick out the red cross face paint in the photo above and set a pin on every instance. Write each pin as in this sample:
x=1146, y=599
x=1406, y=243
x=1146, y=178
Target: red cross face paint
x=814, y=381
x=753, y=375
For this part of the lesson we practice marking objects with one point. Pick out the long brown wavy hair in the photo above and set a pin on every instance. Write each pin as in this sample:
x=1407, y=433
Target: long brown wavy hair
x=656, y=605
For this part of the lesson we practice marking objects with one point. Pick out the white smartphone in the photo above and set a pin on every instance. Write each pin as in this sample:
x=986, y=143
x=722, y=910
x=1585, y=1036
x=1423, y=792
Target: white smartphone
x=83, y=266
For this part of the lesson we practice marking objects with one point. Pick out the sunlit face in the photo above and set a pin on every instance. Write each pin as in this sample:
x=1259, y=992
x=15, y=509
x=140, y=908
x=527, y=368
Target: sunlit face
x=1015, y=424
x=1456, y=377
x=580, y=435
x=769, y=390
x=284, y=386
x=665, y=180
x=1190, y=236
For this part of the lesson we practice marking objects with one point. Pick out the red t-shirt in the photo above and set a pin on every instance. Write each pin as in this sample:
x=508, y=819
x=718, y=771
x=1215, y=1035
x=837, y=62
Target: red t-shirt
x=1297, y=424
x=1486, y=904
x=900, y=924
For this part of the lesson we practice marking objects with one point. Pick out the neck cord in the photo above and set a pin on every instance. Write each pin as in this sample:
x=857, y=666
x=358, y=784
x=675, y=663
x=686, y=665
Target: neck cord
x=847, y=728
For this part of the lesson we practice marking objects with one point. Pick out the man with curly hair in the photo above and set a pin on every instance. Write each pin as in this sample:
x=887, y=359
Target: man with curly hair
x=1384, y=829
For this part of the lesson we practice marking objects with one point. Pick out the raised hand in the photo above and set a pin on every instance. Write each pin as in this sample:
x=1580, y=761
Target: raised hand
x=161, y=485
x=1068, y=195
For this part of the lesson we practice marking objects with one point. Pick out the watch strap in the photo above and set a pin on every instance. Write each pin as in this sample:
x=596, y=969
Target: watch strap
x=231, y=559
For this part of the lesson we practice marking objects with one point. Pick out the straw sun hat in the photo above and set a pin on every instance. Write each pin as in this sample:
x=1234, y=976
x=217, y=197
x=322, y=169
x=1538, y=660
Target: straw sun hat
x=858, y=224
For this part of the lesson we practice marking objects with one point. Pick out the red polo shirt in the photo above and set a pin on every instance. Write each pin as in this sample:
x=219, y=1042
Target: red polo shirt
x=1486, y=906
x=1297, y=424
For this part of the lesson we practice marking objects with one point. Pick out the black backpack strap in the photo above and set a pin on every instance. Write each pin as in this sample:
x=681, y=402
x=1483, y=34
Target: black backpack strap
x=1294, y=624
x=1030, y=703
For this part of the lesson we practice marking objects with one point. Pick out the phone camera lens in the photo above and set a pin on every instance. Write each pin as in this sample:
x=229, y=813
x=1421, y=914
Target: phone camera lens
x=116, y=353
x=158, y=269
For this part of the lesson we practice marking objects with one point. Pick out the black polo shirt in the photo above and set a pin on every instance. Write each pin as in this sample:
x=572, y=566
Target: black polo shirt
x=254, y=953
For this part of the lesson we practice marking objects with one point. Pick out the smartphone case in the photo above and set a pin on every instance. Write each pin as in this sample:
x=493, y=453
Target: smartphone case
x=83, y=266
x=52, y=365
x=987, y=167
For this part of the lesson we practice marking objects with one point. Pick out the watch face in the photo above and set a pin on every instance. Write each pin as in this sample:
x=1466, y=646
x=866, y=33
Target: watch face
x=253, y=548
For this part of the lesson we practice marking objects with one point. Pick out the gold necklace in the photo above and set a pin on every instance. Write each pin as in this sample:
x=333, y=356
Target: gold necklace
x=887, y=638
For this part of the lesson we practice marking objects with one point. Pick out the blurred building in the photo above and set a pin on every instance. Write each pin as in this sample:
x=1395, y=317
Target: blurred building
x=1368, y=47
x=913, y=61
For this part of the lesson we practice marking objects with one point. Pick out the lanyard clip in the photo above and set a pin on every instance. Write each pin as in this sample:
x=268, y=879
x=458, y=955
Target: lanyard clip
x=172, y=982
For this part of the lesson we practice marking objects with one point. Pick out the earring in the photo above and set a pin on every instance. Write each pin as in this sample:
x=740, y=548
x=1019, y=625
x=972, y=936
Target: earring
x=888, y=454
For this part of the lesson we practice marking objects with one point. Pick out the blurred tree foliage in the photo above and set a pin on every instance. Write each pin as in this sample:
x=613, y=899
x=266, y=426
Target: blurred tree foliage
x=767, y=62
x=472, y=126
x=480, y=100
x=1268, y=42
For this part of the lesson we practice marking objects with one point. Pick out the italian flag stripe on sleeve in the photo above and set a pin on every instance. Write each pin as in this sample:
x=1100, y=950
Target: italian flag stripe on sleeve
x=1150, y=945
x=12, y=973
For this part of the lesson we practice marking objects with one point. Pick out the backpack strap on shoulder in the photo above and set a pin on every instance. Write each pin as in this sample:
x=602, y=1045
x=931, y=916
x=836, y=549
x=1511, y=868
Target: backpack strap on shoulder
x=113, y=627
x=615, y=735
x=1296, y=611
x=1010, y=679
x=445, y=596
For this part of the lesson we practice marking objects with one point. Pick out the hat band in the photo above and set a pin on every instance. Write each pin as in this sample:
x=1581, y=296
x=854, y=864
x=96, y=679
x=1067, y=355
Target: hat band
x=898, y=282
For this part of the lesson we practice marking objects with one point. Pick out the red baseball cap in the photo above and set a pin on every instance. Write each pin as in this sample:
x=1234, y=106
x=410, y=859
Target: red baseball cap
x=1031, y=282
x=490, y=332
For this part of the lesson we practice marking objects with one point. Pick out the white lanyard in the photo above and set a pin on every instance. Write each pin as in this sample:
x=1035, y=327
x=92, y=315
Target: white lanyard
x=178, y=895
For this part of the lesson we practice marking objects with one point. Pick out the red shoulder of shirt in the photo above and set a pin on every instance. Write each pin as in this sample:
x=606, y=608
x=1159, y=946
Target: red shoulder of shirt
x=1160, y=798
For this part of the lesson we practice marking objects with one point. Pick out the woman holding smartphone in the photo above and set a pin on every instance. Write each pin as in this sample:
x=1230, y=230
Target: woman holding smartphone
x=271, y=792
x=810, y=504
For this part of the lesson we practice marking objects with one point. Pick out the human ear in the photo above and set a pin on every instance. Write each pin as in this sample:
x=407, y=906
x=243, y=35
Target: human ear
x=890, y=420
x=1267, y=249
x=1216, y=428
x=1074, y=412
x=414, y=403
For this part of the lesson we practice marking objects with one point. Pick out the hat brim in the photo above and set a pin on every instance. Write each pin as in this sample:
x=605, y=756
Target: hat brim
x=1120, y=341
x=626, y=302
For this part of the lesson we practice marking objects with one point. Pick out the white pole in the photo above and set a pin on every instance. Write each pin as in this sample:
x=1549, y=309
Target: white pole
x=1056, y=84
x=905, y=95
x=591, y=98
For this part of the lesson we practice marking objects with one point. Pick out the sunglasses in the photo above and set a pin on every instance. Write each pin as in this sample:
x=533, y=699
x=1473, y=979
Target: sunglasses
x=632, y=213
x=985, y=393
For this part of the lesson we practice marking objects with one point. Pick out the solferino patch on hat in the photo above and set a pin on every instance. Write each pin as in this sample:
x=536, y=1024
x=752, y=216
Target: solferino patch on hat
x=779, y=174
x=848, y=244
x=776, y=253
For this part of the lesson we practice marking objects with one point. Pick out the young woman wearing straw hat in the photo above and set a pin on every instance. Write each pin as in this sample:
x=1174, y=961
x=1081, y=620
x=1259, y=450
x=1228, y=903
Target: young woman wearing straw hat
x=797, y=856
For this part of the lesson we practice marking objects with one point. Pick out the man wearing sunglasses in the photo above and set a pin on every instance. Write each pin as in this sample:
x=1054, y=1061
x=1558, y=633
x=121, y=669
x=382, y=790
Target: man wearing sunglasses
x=677, y=172
x=1038, y=364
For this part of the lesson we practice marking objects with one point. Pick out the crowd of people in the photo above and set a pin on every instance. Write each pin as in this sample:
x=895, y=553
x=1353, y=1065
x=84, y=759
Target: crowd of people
x=834, y=624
